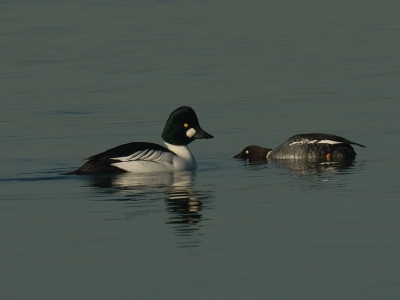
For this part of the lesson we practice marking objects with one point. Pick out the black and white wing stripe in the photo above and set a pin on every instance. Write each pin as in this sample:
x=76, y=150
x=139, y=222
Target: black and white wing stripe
x=320, y=138
x=147, y=154
x=132, y=151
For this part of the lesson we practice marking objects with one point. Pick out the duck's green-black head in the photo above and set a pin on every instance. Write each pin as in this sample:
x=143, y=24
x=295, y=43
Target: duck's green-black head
x=183, y=127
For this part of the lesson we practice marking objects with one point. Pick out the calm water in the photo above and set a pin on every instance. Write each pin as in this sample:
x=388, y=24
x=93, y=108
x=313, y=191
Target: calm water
x=79, y=77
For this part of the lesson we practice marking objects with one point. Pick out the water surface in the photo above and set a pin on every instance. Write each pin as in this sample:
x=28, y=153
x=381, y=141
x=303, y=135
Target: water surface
x=78, y=78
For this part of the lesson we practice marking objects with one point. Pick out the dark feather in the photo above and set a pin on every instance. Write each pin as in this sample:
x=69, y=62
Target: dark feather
x=129, y=149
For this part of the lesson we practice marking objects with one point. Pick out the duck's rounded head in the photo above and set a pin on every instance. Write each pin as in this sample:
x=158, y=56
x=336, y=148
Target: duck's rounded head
x=182, y=127
x=253, y=153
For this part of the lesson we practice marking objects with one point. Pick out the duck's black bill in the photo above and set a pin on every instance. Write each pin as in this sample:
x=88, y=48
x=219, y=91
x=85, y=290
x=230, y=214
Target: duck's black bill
x=201, y=134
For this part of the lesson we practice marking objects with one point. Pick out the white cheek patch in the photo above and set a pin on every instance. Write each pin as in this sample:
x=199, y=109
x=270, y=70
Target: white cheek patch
x=190, y=133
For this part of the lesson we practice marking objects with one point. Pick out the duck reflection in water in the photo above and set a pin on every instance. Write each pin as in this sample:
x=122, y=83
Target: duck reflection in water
x=306, y=174
x=300, y=166
x=140, y=191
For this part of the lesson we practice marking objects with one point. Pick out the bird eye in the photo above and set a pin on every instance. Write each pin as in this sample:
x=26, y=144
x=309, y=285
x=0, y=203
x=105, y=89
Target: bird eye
x=247, y=151
x=186, y=125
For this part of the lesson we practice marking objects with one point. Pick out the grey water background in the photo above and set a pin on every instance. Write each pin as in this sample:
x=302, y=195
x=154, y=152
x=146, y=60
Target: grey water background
x=79, y=77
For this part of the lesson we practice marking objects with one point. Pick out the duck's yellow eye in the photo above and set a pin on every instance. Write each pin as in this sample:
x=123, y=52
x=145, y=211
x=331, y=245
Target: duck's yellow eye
x=186, y=125
x=247, y=151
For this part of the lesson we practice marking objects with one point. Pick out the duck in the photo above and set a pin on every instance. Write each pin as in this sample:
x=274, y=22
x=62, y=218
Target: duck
x=181, y=128
x=308, y=146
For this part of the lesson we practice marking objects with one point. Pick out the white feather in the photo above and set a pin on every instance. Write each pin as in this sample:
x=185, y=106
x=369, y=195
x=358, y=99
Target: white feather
x=329, y=142
x=303, y=141
x=307, y=141
x=147, y=154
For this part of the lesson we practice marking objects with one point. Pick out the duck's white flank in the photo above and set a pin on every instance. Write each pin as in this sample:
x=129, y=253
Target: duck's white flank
x=157, y=161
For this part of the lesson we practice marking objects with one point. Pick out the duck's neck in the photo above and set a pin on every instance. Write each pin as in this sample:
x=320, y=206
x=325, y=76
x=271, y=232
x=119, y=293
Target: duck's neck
x=180, y=150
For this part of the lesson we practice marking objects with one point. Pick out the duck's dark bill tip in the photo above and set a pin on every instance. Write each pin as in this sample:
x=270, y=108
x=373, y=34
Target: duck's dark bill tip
x=201, y=134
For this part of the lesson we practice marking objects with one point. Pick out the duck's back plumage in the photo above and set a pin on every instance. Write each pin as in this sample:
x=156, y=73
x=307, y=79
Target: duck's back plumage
x=133, y=151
